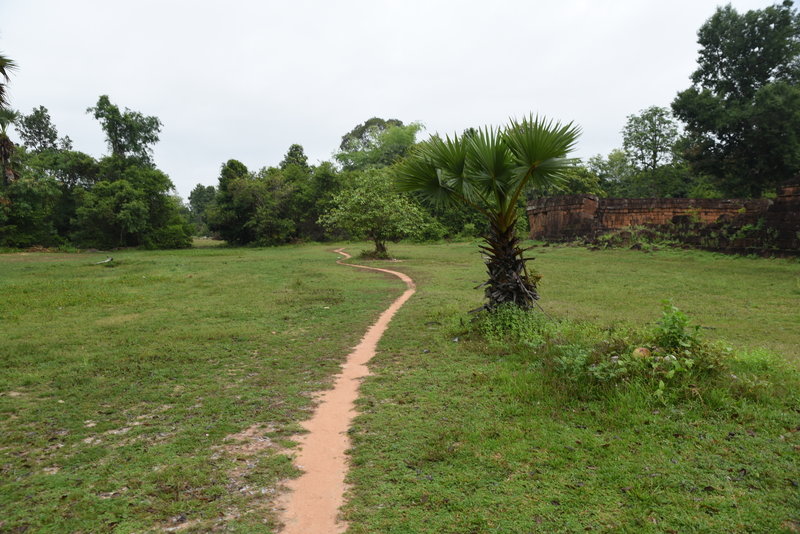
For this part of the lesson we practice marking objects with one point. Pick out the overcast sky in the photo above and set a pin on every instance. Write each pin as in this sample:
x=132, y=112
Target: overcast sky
x=246, y=79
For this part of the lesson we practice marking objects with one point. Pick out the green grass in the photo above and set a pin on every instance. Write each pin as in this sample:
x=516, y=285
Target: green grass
x=458, y=435
x=121, y=382
x=122, y=385
x=750, y=302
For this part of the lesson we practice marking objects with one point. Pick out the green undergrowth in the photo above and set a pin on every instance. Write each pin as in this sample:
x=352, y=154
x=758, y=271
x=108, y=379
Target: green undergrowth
x=671, y=359
x=519, y=422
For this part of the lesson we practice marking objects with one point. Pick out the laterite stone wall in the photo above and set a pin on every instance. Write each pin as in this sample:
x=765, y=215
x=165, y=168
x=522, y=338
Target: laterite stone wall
x=567, y=217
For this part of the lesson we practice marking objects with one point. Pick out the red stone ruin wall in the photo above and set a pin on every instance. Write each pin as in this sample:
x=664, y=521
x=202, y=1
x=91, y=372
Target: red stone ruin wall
x=562, y=217
x=567, y=217
x=784, y=216
x=614, y=213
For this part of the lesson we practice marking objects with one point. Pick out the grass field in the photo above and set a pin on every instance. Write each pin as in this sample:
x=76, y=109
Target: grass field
x=459, y=436
x=125, y=385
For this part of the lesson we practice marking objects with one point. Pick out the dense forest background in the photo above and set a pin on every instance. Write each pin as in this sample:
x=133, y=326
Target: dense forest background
x=735, y=132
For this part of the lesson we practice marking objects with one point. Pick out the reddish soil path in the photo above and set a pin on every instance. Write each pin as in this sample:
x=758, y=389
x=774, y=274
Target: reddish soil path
x=313, y=502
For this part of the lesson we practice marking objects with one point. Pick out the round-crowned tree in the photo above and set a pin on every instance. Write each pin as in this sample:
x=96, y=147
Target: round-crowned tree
x=370, y=208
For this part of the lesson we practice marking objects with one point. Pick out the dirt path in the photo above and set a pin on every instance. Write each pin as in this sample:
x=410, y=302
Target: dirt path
x=313, y=502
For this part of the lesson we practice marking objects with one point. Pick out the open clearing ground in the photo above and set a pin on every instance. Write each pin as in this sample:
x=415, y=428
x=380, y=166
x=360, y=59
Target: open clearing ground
x=159, y=391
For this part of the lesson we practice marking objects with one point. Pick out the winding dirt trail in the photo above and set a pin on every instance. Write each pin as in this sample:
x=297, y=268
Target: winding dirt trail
x=312, y=504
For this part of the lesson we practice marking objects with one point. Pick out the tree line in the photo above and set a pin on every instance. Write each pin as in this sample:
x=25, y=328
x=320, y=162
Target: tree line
x=735, y=132
x=350, y=197
x=53, y=195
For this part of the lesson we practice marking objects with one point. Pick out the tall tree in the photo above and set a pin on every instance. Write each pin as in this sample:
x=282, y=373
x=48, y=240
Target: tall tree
x=200, y=199
x=376, y=143
x=38, y=132
x=742, y=113
x=231, y=210
x=295, y=156
x=649, y=138
x=490, y=171
x=128, y=133
x=364, y=136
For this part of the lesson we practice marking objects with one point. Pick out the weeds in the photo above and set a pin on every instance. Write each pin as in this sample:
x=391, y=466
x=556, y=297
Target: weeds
x=670, y=358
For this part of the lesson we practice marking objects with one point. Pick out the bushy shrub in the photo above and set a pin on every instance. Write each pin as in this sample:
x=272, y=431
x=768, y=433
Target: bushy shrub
x=586, y=359
x=177, y=235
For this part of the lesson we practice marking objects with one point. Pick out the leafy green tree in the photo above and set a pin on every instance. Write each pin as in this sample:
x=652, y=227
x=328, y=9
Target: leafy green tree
x=649, y=138
x=131, y=203
x=376, y=143
x=128, y=133
x=38, y=132
x=365, y=136
x=200, y=199
x=490, y=171
x=576, y=180
x=253, y=208
x=72, y=171
x=113, y=214
x=742, y=112
x=69, y=167
x=130, y=207
x=26, y=211
x=228, y=215
x=615, y=172
x=313, y=196
x=295, y=156
x=270, y=193
x=369, y=208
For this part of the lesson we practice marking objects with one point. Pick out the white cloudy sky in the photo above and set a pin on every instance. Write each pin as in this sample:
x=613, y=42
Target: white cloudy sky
x=245, y=79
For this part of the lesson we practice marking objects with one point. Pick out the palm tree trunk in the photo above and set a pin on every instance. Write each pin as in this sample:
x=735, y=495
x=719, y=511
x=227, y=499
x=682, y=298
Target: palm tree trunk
x=6, y=151
x=509, y=280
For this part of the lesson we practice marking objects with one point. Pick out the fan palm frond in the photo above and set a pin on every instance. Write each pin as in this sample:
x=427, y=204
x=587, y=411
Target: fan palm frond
x=488, y=169
x=6, y=67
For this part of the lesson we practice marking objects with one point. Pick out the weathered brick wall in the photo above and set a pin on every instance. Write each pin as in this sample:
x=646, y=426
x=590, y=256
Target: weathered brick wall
x=585, y=215
x=613, y=213
x=784, y=217
x=562, y=217
x=567, y=217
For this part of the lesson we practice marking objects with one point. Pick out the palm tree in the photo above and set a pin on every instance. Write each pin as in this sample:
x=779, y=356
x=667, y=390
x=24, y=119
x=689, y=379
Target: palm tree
x=489, y=169
x=6, y=66
x=7, y=117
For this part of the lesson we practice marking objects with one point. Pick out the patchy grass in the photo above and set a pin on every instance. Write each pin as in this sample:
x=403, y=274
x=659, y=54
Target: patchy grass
x=129, y=391
x=459, y=434
x=159, y=391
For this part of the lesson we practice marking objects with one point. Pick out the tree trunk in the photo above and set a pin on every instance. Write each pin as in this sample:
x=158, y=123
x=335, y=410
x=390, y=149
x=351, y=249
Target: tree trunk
x=380, y=249
x=509, y=280
x=6, y=151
